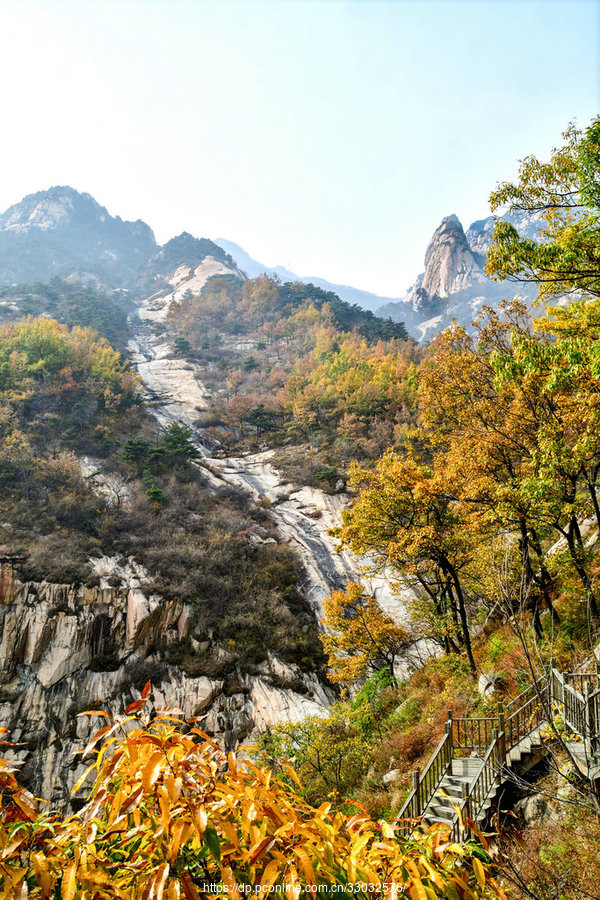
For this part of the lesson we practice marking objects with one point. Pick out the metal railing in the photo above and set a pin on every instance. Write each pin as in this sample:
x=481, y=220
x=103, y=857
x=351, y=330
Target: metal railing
x=493, y=738
x=426, y=784
x=578, y=680
x=473, y=734
x=525, y=713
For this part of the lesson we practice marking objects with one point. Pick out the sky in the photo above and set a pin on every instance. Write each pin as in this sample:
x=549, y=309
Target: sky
x=327, y=136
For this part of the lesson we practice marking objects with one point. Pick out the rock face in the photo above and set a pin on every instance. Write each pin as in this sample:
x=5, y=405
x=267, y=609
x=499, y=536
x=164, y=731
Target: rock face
x=63, y=232
x=450, y=265
x=57, y=231
x=454, y=284
x=69, y=648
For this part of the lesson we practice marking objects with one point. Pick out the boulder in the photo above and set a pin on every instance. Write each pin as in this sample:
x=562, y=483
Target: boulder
x=487, y=685
x=536, y=810
x=391, y=777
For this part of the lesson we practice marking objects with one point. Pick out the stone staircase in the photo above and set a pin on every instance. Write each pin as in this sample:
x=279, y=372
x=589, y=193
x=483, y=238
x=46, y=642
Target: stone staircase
x=477, y=755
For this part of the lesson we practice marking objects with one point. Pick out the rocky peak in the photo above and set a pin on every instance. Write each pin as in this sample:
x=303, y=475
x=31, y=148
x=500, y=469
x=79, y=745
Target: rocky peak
x=63, y=206
x=450, y=264
x=61, y=230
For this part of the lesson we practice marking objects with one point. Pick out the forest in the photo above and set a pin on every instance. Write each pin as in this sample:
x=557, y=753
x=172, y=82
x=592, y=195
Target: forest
x=471, y=468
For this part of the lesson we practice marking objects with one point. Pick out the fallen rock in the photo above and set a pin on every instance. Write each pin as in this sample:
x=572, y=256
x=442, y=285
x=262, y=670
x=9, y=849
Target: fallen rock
x=392, y=777
x=487, y=685
x=535, y=810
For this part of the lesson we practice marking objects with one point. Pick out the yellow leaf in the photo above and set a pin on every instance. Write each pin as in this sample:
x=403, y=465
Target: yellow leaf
x=270, y=874
x=42, y=873
x=173, y=891
x=230, y=883
x=67, y=891
x=479, y=873
x=163, y=799
x=161, y=879
x=151, y=770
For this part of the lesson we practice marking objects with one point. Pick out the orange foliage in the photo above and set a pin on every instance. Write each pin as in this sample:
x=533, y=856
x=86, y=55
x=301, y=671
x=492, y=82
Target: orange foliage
x=169, y=816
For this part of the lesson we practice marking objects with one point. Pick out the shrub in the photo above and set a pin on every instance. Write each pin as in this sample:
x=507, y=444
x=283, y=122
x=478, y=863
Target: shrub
x=170, y=815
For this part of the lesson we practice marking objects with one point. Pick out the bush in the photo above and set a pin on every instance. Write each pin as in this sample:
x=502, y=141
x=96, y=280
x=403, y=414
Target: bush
x=169, y=813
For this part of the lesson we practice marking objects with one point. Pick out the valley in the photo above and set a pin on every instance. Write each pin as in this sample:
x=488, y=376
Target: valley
x=261, y=520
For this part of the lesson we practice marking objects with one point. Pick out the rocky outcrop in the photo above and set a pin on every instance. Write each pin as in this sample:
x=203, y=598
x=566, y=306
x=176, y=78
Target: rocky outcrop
x=57, y=231
x=454, y=284
x=69, y=648
x=449, y=263
x=63, y=232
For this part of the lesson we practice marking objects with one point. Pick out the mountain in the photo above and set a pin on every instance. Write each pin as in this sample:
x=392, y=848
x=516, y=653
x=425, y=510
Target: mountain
x=62, y=232
x=58, y=231
x=454, y=284
x=252, y=268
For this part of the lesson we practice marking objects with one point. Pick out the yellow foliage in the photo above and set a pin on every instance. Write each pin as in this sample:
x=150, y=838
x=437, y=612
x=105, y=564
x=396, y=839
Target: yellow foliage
x=170, y=816
x=361, y=634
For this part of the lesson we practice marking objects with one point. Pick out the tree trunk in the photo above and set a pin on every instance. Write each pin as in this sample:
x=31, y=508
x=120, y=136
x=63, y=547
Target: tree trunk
x=544, y=576
x=462, y=612
x=575, y=545
x=590, y=478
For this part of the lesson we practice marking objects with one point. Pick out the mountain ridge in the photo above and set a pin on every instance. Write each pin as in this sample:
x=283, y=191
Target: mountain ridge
x=66, y=233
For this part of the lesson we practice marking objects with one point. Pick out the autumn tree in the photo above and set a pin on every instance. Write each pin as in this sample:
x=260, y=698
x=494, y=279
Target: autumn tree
x=406, y=517
x=169, y=815
x=513, y=415
x=562, y=195
x=360, y=636
x=483, y=436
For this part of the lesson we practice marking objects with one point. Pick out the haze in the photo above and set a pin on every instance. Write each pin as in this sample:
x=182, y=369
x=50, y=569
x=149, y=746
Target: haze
x=328, y=137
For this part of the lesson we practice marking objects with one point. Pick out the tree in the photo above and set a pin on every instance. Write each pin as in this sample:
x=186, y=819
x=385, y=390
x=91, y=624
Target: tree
x=137, y=450
x=406, y=517
x=362, y=636
x=484, y=434
x=513, y=413
x=177, y=446
x=563, y=194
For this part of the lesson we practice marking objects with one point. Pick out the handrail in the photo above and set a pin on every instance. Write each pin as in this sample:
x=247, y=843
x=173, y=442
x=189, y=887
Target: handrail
x=528, y=715
x=497, y=736
x=473, y=733
x=486, y=776
x=483, y=778
x=426, y=784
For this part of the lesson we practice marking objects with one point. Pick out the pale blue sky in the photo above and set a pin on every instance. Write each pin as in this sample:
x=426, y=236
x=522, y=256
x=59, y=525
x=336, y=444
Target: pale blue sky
x=330, y=136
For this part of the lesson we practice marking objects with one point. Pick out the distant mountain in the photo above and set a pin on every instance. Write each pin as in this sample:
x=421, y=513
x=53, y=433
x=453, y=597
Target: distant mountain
x=186, y=250
x=61, y=232
x=57, y=231
x=252, y=268
x=454, y=284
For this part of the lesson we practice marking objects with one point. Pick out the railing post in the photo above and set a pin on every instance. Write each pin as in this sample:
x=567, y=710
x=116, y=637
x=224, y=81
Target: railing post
x=502, y=736
x=450, y=732
x=466, y=812
x=561, y=688
x=416, y=787
x=588, y=717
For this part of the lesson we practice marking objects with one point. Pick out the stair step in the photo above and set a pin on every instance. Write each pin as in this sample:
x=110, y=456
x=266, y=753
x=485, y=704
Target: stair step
x=466, y=766
x=459, y=779
x=453, y=790
x=447, y=802
x=435, y=809
x=431, y=820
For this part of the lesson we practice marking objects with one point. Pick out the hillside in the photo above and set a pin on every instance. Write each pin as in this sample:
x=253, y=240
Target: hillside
x=292, y=365
x=273, y=515
x=62, y=232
